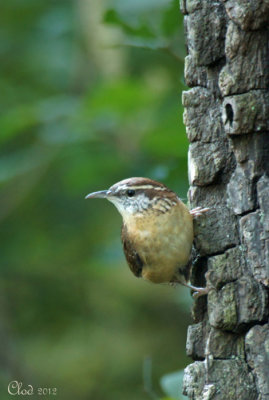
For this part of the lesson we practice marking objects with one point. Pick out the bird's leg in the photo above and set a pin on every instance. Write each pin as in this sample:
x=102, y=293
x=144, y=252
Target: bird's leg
x=198, y=211
x=198, y=291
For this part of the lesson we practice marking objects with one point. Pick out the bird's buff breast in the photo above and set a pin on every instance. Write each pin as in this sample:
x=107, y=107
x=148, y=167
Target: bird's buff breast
x=163, y=243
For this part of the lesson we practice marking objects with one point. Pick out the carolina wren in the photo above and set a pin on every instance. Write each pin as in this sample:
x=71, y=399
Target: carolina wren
x=157, y=230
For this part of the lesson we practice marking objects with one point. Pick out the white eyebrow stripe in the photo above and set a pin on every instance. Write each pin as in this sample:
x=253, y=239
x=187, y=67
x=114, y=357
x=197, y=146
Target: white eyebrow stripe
x=135, y=187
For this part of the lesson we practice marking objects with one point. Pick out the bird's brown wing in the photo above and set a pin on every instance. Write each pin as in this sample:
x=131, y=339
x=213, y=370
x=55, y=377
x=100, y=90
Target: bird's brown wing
x=134, y=261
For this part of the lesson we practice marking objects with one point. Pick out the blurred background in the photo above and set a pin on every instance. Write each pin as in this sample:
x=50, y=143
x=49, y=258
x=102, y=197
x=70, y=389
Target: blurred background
x=90, y=94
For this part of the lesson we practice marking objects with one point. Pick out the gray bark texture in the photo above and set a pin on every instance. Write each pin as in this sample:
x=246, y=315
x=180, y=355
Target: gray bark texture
x=227, y=122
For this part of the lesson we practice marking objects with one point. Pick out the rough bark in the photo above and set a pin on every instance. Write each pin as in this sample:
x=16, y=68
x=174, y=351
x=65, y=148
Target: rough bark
x=227, y=122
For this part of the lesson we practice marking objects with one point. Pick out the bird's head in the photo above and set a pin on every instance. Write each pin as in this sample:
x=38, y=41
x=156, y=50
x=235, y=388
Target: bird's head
x=138, y=197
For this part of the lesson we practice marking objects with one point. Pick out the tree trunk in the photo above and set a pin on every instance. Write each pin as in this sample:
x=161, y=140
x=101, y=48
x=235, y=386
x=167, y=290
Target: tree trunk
x=227, y=121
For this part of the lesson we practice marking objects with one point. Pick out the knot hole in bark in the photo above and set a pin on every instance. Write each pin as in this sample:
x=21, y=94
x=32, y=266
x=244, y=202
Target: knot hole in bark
x=229, y=113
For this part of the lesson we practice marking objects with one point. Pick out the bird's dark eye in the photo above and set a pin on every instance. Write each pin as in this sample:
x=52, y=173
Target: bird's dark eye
x=130, y=192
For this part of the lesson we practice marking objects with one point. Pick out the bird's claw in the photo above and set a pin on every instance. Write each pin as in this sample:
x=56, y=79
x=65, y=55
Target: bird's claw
x=198, y=211
x=198, y=292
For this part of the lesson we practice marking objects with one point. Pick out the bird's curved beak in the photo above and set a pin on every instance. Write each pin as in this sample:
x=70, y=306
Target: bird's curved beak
x=102, y=194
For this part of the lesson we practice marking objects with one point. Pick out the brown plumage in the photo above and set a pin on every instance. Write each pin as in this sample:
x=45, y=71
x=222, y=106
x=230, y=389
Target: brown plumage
x=132, y=257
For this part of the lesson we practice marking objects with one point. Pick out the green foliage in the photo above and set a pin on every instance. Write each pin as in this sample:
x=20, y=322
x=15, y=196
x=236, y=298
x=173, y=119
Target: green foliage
x=172, y=385
x=73, y=317
x=148, y=24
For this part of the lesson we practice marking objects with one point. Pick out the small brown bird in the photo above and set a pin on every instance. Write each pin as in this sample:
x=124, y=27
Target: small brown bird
x=157, y=230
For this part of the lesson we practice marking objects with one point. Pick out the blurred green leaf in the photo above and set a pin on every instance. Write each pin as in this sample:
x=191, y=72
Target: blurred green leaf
x=17, y=120
x=170, y=19
x=148, y=25
x=22, y=161
x=172, y=384
x=112, y=17
x=144, y=43
x=167, y=398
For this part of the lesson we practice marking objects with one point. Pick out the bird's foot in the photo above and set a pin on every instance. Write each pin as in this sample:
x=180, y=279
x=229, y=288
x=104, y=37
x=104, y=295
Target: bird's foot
x=198, y=291
x=198, y=211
